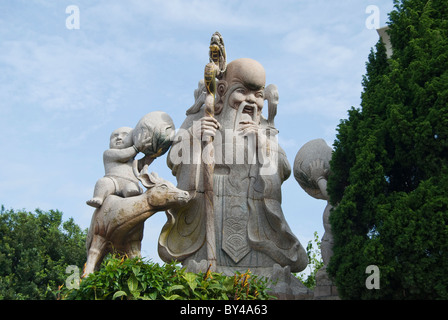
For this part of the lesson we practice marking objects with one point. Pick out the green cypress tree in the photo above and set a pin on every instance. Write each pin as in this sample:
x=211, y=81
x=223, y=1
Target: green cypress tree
x=389, y=181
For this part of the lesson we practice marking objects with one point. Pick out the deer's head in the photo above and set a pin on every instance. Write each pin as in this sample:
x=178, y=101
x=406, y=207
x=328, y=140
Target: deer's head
x=161, y=193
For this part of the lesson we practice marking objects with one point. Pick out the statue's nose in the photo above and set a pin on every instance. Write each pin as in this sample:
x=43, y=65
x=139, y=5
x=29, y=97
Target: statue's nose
x=250, y=98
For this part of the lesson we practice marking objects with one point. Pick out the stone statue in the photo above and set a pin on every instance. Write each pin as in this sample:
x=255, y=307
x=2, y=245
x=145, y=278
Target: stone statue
x=152, y=135
x=119, y=178
x=320, y=175
x=118, y=224
x=311, y=169
x=225, y=214
x=122, y=207
x=249, y=167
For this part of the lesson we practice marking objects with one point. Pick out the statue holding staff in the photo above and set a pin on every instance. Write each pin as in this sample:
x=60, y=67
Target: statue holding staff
x=249, y=167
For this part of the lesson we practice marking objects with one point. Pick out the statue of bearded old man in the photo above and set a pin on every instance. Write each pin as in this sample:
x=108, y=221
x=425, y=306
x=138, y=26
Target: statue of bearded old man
x=250, y=228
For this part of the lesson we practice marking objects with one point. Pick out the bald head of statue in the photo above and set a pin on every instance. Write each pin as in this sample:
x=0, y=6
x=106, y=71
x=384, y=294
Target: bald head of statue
x=246, y=71
x=244, y=80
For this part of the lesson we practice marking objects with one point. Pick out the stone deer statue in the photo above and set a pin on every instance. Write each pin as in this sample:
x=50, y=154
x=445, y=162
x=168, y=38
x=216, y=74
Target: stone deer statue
x=118, y=224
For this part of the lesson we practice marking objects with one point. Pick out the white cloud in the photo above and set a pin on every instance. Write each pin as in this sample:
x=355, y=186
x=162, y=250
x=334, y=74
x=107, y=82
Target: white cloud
x=57, y=75
x=317, y=51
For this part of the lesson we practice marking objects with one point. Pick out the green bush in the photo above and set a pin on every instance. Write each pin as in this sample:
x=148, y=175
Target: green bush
x=135, y=279
x=308, y=278
x=35, y=250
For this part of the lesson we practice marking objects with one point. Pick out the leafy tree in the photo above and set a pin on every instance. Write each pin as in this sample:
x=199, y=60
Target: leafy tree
x=35, y=250
x=389, y=181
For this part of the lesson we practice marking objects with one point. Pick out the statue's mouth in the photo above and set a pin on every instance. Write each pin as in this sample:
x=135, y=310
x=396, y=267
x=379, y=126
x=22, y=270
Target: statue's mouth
x=249, y=109
x=246, y=109
x=184, y=197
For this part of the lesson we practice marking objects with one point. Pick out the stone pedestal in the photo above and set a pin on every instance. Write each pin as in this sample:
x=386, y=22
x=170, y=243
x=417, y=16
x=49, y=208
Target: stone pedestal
x=287, y=287
x=325, y=289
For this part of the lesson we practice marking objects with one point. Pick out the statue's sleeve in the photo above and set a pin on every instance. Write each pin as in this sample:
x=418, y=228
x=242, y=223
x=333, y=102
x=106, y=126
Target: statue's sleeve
x=283, y=165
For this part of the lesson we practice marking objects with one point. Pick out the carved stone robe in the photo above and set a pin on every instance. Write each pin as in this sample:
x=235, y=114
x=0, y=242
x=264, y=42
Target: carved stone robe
x=250, y=228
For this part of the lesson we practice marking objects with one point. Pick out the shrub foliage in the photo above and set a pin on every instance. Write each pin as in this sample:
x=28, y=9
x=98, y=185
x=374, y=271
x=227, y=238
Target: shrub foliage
x=35, y=250
x=136, y=279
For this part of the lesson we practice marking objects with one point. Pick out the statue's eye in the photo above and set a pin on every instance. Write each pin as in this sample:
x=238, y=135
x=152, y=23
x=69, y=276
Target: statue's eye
x=163, y=186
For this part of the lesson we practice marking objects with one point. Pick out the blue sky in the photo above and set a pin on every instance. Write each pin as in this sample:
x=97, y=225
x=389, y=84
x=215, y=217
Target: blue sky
x=63, y=91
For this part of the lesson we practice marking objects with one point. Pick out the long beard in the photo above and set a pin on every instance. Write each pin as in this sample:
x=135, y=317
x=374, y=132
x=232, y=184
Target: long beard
x=230, y=118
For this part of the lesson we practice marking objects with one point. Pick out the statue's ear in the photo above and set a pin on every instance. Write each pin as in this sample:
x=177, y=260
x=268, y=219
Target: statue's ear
x=221, y=87
x=146, y=179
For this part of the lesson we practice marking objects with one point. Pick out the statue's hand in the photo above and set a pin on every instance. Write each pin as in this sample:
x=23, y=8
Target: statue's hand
x=248, y=127
x=144, y=141
x=207, y=128
x=317, y=170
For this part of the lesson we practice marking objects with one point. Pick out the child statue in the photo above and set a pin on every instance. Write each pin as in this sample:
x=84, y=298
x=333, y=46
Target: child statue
x=119, y=177
x=152, y=136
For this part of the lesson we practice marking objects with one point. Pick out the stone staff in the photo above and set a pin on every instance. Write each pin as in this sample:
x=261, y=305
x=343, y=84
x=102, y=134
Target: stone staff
x=213, y=70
